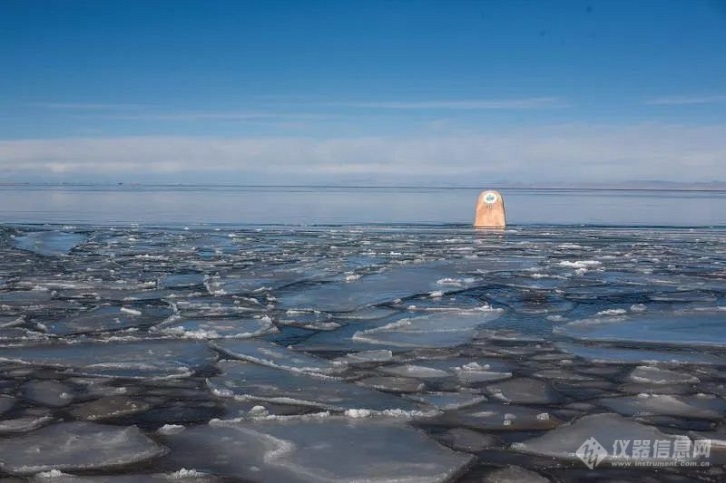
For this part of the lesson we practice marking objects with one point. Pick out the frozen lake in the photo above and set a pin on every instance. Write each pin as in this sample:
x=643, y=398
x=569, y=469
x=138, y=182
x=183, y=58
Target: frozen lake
x=343, y=335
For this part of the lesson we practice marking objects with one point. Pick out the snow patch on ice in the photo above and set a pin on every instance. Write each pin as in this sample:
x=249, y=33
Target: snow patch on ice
x=126, y=310
x=580, y=264
x=171, y=429
x=610, y=312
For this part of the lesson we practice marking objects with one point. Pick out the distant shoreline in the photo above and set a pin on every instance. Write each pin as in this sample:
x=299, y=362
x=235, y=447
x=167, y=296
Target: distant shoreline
x=711, y=187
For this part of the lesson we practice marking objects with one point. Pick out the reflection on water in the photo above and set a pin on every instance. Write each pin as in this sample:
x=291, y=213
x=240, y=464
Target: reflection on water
x=335, y=205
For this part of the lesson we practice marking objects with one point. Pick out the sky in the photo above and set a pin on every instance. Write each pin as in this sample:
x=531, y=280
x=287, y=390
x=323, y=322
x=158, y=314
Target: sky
x=363, y=92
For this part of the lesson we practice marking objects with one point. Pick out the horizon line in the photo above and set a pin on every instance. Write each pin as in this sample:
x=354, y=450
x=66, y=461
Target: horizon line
x=592, y=186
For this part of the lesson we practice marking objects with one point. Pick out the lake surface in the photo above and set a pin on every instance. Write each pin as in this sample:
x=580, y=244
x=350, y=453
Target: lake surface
x=317, y=335
x=331, y=205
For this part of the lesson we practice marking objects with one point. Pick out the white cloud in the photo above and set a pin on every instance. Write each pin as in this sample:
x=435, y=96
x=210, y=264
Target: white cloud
x=470, y=104
x=89, y=107
x=191, y=116
x=143, y=112
x=569, y=153
x=158, y=113
x=686, y=100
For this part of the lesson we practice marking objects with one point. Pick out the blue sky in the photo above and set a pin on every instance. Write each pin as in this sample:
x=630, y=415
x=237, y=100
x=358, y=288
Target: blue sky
x=455, y=92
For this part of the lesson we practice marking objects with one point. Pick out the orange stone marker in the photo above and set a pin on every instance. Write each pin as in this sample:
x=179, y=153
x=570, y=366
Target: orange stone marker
x=490, y=210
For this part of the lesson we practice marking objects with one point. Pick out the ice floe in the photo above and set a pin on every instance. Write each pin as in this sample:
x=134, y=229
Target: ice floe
x=217, y=328
x=524, y=391
x=497, y=417
x=252, y=381
x=514, y=474
x=76, y=446
x=48, y=393
x=449, y=400
x=23, y=424
x=393, y=384
x=108, y=407
x=6, y=403
x=136, y=359
x=705, y=407
x=685, y=328
x=373, y=289
x=436, y=330
x=182, y=280
x=317, y=450
x=49, y=243
x=655, y=375
x=273, y=355
x=362, y=358
x=606, y=428
x=416, y=371
x=108, y=318
x=469, y=441
x=619, y=355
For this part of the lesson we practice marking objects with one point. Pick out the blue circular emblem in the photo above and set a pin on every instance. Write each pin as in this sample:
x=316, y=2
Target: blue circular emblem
x=490, y=198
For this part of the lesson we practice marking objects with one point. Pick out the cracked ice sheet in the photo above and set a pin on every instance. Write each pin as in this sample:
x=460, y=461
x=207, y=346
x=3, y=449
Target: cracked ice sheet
x=153, y=359
x=447, y=329
x=76, y=446
x=312, y=450
x=691, y=328
x=387, y=286
x=245, y=380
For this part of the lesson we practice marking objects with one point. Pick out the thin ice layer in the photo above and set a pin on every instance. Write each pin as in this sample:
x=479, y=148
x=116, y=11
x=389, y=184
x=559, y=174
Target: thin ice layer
x=252, y=381
x=449, y=400
x=698, y=407
x=273, y=355
x=49, y=243
x=23, y=424
x=441, y=329
x=76, y=446
x=25, y=298
x=687, y=328
x=617, y=355
x=109, y=318
x=137, y=360
x=315, y=450
x=606, y=428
